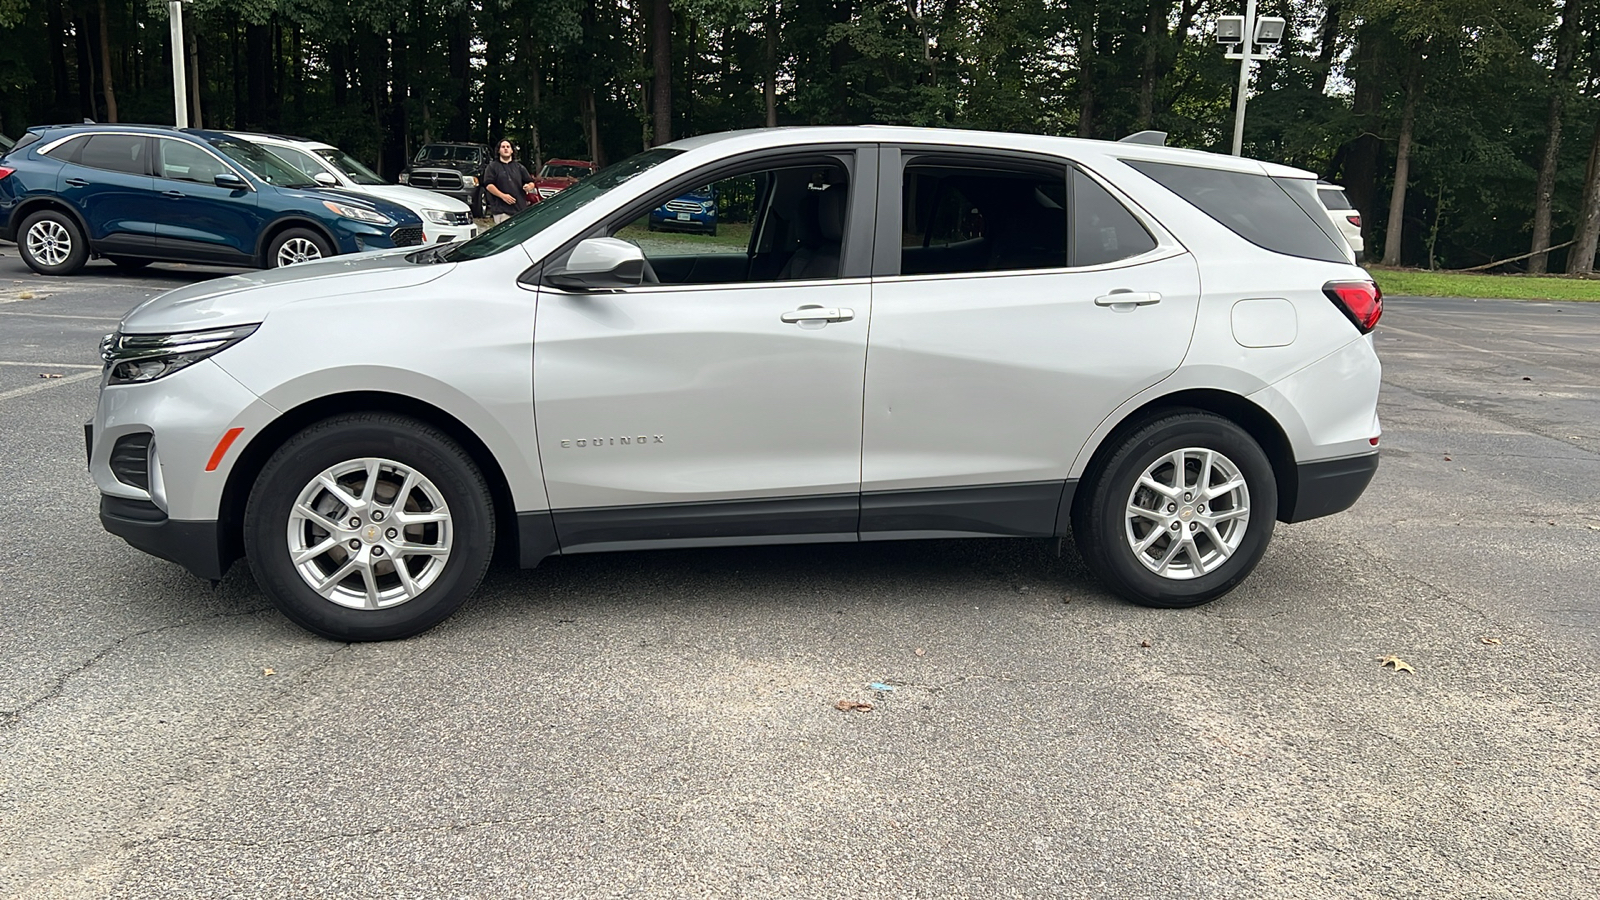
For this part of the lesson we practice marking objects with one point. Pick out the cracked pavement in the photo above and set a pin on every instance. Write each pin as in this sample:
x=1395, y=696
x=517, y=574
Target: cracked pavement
x=663, y=724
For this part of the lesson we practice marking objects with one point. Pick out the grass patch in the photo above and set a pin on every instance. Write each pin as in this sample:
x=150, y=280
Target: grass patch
x=1415, y=283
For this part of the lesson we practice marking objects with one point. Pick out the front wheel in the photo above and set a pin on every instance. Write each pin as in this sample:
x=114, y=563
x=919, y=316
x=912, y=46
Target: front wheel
x=1180, y=512
x=297, y=245
x=369, y=527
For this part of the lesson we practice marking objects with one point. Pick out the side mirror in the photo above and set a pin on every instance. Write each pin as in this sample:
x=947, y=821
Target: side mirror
x=600, y=264
x=230, y=181
x=323, y=178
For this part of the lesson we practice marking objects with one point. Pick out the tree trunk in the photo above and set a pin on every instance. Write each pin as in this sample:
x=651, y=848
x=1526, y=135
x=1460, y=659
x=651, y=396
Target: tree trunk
x=1086, y=97
x=769, y=87
x=1545, y=187
x=258, y=62
x=191, y=36
x=1329, y=41
x=459, y=125
x=1580, y=259
x=538, y=109
x=105, y=66
x=86, y=102
x=1402, y=165
x=57, y=27
x=591, y=124
x=1155, y=34
x=661, y=62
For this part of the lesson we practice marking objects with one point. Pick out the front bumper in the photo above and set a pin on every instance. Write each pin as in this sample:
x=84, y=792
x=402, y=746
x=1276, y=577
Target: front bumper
x=197, y=546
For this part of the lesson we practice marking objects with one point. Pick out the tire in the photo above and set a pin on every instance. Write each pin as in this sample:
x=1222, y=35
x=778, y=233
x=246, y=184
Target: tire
x=51, y=243
x=420, y=472
x=297, y=245
x=129, y=263
x=1134, y=554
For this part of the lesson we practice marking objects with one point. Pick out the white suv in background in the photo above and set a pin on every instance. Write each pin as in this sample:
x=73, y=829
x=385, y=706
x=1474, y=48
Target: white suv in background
x=444, y=219
x=896, y=333
x=1343, y=213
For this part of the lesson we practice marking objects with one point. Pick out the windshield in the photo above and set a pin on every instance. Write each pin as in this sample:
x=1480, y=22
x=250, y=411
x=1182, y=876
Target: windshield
x=443, y=153
x=540, y=216
x=566, y=172
x=350, y=166
x=263, y=165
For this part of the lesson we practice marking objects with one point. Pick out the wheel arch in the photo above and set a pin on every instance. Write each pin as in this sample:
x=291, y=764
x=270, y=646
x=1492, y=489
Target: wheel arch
x=38, y=204
x=1256, y=422
x=253, y=458
x=279, y=226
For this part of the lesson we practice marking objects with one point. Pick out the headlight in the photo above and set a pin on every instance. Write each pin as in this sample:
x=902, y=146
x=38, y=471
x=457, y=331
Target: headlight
x=708, y=207
x=436, y=216
x=469, y=180
x=405, y=177
x=137, y=358
x=358, y=213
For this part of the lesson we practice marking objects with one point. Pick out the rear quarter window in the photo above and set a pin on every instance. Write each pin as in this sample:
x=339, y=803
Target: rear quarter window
x=1333, y=198
x=1274, y=214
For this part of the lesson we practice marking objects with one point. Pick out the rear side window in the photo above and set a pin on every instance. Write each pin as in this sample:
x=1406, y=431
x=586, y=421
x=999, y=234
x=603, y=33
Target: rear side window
x=68, y=152
x=1255, y=207
x=117, y=153
x=1333, y=198
x=1103, y=230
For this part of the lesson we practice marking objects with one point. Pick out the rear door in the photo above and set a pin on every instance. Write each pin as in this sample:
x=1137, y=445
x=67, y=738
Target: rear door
x=1016, y=303
x=200, y=220
x=107, y=177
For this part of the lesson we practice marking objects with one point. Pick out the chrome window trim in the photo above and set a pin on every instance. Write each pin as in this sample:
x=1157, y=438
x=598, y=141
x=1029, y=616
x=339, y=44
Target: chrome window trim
x=1149, y=256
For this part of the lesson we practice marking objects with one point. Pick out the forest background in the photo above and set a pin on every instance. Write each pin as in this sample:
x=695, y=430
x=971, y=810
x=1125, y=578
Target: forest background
x=1465, y=131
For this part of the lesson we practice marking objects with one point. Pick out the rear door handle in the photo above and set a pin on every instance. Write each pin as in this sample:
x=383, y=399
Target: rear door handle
x=818, y=314
x=176, y=195
x=1125, y=297
x=77, y=182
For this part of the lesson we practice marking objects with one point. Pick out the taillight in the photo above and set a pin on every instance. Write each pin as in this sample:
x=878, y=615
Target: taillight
x=1353, y=220
x=4, y=172
x=1360, y=300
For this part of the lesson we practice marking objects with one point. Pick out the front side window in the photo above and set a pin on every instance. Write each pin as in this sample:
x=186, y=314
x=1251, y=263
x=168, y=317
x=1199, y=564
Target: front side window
x=776, y=224
x=124, y=153
x=301, y=160
x=181, y=161
x=262, y=164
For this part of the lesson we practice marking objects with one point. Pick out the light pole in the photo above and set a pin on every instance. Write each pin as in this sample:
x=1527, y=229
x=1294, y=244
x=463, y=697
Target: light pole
x=1241, y=34
x=180, y=82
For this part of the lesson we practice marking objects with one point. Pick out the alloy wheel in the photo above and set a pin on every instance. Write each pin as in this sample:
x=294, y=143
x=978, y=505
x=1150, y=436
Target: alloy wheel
x=1188, y=513
x=49, y=242
x=298, y=250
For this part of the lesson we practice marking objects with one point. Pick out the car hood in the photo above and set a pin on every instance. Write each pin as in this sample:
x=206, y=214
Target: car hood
x=401, y=213
x=248, y=298
x=414, y=198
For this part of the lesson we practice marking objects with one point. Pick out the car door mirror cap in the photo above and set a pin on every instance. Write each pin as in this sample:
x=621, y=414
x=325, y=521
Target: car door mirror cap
x=326, y=180
x=600, y=264
x=230, y=180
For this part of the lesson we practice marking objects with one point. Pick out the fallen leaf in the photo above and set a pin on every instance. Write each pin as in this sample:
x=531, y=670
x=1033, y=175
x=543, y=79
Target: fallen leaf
x=1489, y=640
x=857, y=705
x=922, y=652
x=1144, y=643
x=49, y=375
x=1447, y=459
x=268, y=672
x=25, y=295
x=1399, y=664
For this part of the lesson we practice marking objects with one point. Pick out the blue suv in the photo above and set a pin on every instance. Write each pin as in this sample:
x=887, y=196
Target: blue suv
x=136, y=194
x=694, y=212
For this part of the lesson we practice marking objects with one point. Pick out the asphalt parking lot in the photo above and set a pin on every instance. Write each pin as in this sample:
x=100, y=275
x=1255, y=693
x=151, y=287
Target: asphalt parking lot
x=664, y=724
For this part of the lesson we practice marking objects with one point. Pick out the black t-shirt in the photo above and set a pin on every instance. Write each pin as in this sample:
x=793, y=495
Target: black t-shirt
x=508, y=177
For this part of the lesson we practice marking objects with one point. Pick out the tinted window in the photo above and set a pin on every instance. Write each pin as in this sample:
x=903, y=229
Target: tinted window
x=1255, y=207
x=70, y=151
x=1103, y=230
x=1333, y=198
x=117, y=153
x=301, y=161
x=182, y=161
x=262, y=164
x=961, y=219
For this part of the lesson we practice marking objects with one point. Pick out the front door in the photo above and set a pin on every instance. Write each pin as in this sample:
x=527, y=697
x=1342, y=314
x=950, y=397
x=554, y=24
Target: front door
x=201, y=220
x=722, y=404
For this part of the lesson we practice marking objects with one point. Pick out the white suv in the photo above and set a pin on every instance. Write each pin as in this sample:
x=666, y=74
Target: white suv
x=1343, y=213
x=444, y=219
x=895, y=333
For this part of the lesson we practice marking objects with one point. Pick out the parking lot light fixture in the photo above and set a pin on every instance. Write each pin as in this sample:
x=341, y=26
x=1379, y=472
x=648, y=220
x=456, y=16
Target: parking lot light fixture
x=1247, y=38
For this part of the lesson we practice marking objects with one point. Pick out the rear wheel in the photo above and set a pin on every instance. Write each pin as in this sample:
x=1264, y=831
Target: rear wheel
x=1180, y=512
x=52, y=244
x=369, y=527
x=297, y=245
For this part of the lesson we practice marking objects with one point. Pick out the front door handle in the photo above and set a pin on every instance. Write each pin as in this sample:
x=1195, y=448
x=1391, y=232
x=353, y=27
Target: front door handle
x=176, y=195
x=818, y=314
x=1125, y=297
x=77, y=182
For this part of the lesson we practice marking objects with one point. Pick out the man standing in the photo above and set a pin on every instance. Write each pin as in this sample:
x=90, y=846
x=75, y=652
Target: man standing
x=507, y=183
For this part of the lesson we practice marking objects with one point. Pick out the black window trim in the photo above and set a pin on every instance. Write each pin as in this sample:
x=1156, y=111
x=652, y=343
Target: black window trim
x=860, y=161
x=894, y=159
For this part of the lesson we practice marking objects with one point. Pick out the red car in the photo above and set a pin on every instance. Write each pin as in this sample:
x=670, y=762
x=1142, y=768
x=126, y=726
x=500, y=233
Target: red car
x=558, y=175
